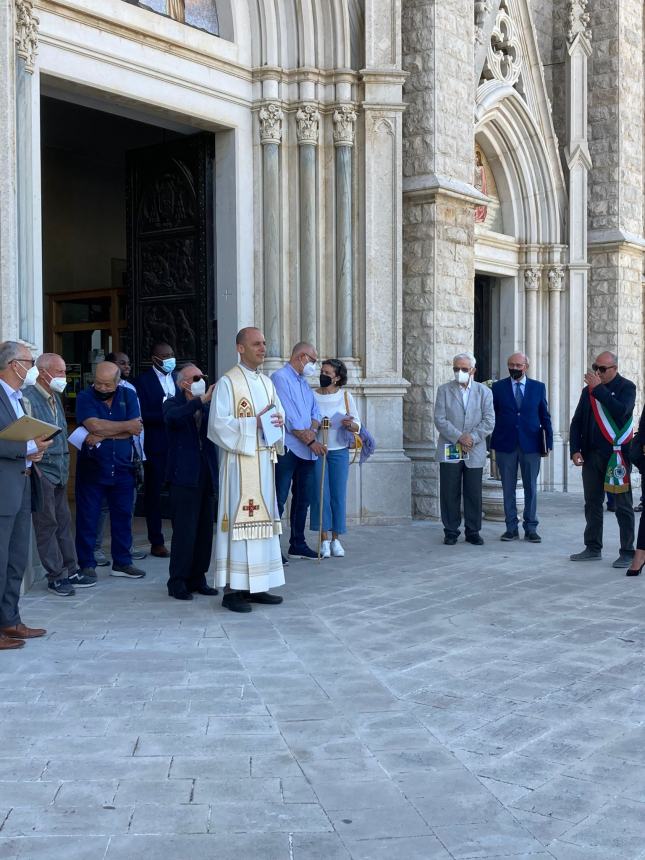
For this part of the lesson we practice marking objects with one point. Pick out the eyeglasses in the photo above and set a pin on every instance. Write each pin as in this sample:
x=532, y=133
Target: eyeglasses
x=22, y=361
x=312, y=360
x=465, y=369
x=196, y=378
x=600, y=368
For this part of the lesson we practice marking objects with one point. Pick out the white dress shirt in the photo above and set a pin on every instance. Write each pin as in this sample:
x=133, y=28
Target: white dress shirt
x=167, y=383
x=15, y=398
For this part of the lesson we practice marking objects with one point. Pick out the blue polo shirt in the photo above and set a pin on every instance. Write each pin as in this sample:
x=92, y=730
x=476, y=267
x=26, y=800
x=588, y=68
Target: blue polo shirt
x=112, y=460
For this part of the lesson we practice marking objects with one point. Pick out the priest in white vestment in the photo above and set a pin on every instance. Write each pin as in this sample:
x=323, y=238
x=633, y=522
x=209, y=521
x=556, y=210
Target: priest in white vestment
x=247, y=545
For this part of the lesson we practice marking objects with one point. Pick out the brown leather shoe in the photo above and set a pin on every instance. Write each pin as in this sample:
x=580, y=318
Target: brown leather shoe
x=6, y=644
x=159, y=551
x=21, y=631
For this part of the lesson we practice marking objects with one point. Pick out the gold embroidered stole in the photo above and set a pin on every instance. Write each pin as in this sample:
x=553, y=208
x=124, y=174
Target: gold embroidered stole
x=253, y=520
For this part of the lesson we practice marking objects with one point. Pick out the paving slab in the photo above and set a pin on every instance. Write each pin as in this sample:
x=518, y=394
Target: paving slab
x=408, y=701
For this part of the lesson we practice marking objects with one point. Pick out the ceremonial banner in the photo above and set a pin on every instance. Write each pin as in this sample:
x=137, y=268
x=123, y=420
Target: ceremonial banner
x=617, y=475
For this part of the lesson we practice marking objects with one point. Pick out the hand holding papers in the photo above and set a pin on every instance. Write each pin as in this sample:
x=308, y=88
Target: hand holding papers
x=271, y=422
x=454, y=453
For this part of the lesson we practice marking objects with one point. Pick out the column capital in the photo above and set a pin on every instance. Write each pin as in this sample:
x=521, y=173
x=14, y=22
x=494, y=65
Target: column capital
x=26, y=33
x=270, y=116
x=344, y=124
x=307, y=124
x=556, y=279
x=532, y=278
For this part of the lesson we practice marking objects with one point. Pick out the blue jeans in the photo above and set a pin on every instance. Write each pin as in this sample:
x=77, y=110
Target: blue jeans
x=89, y=498
x=529, y=465
x=292, y=468
x=334, y=493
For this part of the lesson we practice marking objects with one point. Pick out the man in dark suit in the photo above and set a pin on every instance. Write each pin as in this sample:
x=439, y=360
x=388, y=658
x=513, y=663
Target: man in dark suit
x=21, y=493
x=521, y=416
x=599, y=442
x=193, y=478
x=154, y=386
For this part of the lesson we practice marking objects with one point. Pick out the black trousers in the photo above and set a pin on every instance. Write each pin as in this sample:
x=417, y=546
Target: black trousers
x=14, y=555
x=456, y=482
x=193, y=521
x=593, y=483
x=154, y=471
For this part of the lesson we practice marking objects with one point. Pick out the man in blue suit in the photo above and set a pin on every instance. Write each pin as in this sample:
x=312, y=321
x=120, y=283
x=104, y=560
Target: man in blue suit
x=193, y=477
x=521, y=420
x=154, y=386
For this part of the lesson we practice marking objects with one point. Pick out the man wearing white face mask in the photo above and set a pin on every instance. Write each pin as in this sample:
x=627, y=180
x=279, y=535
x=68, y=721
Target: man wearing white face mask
x=154, y=386
x=53, y=524
x=295, y=468
x=464, y=416
x=193, y=477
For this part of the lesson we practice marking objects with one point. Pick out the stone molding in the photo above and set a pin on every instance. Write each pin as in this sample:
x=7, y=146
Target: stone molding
x=270, y=116
x=532, y=278
x=556, y=279
x=429, y=186
x=308, y=124
x=504, y=58
x=26, y=33
x=482, y=8
x=578, y=20
x=344, y=119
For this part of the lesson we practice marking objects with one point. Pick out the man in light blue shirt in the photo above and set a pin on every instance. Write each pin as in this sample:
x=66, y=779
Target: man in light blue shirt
x=301, y=421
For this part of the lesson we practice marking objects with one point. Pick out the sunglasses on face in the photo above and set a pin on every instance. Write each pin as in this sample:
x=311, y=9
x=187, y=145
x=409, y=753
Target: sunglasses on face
x=195, y=378
x=601, y=368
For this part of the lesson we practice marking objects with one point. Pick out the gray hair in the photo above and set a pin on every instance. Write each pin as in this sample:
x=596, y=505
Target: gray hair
x=9, y=350
x=182, y=371
x=468, y=356
x=523, y=354
x=45, y=360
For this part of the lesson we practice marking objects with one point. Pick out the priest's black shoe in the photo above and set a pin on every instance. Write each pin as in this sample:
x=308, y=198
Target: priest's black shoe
x=475, y=540
x=262, y=597
x=450, y=540
x=180, y=595
x=207, y=590
x=236, y=602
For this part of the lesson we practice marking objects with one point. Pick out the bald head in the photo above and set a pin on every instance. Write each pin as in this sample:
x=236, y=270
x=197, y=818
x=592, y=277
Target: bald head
x=107, y=374
x=51, y=366
x=251, y=347
x=304, y=354
x=606, y=366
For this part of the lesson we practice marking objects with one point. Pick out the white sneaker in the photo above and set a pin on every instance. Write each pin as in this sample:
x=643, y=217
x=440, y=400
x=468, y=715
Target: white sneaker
x=337, y=549
x=325, y=549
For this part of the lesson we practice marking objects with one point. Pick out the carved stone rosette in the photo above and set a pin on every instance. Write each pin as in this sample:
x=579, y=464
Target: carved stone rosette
x=504, y=58
x=556, y=278
x=532, y=279
x=344, y=125
x=26, y=33
x=578, y=20
x=270, y=123
x=308, y=124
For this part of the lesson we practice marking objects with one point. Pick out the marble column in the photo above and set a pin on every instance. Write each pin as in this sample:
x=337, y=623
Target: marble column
x=270, y=117
x=8, y=216
x=531, y=287
x=556, y=286
x=344, y=122
x=307, y=130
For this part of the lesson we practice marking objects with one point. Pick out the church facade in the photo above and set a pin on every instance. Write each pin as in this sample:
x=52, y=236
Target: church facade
x=393, y=180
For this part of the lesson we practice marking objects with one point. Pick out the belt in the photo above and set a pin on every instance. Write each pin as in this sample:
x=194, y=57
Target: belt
x=26, y=471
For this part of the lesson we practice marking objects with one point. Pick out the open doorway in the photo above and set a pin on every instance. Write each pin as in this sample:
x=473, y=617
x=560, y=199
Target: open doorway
x=128, y=238
x=483, y=335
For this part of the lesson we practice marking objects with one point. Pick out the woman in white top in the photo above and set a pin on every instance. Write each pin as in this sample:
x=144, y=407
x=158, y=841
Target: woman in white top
x=338, y=405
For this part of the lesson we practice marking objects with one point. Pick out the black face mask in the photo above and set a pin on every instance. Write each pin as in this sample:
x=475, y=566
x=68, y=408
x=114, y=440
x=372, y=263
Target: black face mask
x=104, y=395
x=515, y=373
x=325, y=381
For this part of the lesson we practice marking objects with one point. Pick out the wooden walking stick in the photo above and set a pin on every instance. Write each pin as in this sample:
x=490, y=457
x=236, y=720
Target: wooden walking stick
x=326, y=424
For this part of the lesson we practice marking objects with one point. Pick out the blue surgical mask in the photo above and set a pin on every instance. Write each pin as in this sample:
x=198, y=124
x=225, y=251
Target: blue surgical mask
x=168, y=364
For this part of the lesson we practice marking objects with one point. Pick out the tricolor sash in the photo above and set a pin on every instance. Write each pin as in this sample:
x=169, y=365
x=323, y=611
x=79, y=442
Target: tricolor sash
x=617, y=475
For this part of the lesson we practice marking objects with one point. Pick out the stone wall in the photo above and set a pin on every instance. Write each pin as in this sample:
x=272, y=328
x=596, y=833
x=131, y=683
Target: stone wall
x=438, y=227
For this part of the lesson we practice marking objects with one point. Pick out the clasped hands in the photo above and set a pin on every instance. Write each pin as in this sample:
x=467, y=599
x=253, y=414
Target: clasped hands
x=466, y=441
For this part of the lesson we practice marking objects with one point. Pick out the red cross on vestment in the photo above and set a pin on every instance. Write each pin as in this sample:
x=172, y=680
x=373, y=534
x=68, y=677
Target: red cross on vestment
x=251, y=508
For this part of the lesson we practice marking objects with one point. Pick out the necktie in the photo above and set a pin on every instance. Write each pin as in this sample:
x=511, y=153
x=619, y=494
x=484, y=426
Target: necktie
x=518, y=395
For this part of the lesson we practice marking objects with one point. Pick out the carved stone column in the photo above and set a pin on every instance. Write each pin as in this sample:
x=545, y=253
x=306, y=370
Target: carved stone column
x=307, y=131
x=270, y=117
x=531, y=287
x=8, y=217
x=556, y=286
x=28, y=174
x=344, y=123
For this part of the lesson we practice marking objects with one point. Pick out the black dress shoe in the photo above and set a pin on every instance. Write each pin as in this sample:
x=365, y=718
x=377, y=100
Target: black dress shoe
x=533, y=537
x=180, y=595
x=475, y=540
x=236, y=602
x=510, y=535
x=262, y=597
x=449, y=540
x=207, y=590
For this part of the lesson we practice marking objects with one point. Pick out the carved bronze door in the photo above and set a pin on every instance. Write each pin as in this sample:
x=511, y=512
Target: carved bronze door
x=171, y=266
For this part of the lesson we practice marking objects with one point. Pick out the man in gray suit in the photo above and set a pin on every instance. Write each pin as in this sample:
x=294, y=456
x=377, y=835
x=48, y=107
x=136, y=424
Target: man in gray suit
x=464, y=417
x=17, y=479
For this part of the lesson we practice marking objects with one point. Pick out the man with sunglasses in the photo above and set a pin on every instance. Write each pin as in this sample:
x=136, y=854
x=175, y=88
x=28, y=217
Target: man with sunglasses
x=193, y=477
x=599, y=436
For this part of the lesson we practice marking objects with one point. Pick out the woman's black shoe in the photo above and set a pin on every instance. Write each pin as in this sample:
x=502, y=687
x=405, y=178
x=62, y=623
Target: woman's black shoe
x=633, y=571
x=207, y=590
x=180, y=595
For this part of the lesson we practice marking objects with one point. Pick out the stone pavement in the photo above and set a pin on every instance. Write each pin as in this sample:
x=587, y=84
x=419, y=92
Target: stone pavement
x=409, y=702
